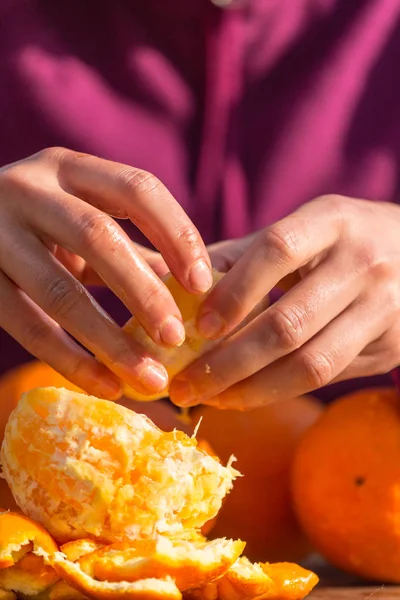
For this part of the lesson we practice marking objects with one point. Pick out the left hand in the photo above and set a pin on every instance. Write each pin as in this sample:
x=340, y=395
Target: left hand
x=341, y=320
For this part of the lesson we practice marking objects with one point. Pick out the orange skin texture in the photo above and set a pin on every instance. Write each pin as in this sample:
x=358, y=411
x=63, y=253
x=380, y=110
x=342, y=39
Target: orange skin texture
x=346, y=484
x=259, y=508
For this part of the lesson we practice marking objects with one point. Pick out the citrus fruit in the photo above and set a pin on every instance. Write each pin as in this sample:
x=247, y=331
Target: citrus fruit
x=346, y=484
x=263, y=441
x=85, y=467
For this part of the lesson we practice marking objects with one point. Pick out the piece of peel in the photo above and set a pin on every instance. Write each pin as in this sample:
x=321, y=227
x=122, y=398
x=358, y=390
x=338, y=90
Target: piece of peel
x=84, y=467
x=188, y=563
x=19, y=536
x=260, y=581
x=174, y=359
x=144, y=589
x=30, y=576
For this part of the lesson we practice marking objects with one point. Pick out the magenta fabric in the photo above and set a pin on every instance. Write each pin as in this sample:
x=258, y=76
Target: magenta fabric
x=245, y=113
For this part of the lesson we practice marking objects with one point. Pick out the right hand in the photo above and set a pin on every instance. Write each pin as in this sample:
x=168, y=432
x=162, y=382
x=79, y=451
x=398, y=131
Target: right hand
x=57, y=235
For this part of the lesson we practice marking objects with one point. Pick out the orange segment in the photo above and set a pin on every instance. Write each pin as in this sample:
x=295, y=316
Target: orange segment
x=188, y=563
x=174, y=359
x=19, y=536
x=244, y=581
x=85, y=467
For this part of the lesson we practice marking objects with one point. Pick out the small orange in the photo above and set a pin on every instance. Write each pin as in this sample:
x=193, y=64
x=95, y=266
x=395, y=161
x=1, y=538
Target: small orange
x=258, y=509
x=346, y=484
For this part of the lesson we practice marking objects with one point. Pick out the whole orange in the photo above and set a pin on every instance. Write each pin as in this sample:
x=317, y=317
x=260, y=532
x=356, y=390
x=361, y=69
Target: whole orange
x=258, y=509
x=346, y=484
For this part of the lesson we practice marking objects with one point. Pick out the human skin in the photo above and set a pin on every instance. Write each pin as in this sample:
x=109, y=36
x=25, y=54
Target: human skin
x=339, y=319
x=58, y=235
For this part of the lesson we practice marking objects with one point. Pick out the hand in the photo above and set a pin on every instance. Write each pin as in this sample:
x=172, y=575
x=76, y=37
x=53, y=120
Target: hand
x=57, y=235
x=341, y=319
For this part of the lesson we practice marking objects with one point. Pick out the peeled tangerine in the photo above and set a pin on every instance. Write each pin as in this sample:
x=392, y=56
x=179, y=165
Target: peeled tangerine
x=127, y=501
x=84, y=467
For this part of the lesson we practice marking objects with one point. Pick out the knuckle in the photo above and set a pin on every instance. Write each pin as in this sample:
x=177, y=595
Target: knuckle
x=94, y=229
x=52, y=154
x=187, y=236
x=13, y=177
x=63, y=299
x=36, y=337
x=138, y=181
x=317, y=369
x=283, y=242
x=287, y=326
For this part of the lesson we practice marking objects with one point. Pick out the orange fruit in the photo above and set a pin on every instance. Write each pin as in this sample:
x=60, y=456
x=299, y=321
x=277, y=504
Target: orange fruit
x=346, y=484
x=85, y=467
x=174, y=359
x=259, y=508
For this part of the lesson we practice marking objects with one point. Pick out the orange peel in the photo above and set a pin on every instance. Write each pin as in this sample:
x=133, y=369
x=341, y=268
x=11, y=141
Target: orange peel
x=30, y=576
x=19, y=536
x=144, y=589
x=259, y=581
x=85, y=467
x=188, y=563
x=174, y=359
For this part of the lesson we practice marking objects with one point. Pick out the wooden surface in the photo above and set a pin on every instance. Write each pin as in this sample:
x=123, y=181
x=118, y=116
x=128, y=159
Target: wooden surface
x=356, y=593
x=336, y=585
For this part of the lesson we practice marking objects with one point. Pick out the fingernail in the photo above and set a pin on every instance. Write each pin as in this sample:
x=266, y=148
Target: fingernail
x=201, y=277
x=154, y=379
x=210, y=325
x=182, y=393
x=172, y=332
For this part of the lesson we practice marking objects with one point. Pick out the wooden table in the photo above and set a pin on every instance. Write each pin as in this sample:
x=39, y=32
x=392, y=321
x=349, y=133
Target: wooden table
x=336, y=585
x=356, y=593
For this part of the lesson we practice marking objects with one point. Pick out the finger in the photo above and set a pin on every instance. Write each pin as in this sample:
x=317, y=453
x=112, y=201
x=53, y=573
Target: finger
x=378, y=358
x=101, y=242
x=315, y=365
x=275, y=253
x=43, y=338
x=288, y=324
x=78, y=267
x=64, y=299
x=132, y=193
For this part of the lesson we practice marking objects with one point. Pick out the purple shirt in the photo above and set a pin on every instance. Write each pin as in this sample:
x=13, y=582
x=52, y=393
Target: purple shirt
x=244, y=113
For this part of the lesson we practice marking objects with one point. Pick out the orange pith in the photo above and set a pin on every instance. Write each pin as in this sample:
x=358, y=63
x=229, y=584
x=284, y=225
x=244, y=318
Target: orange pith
x=346, y=484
